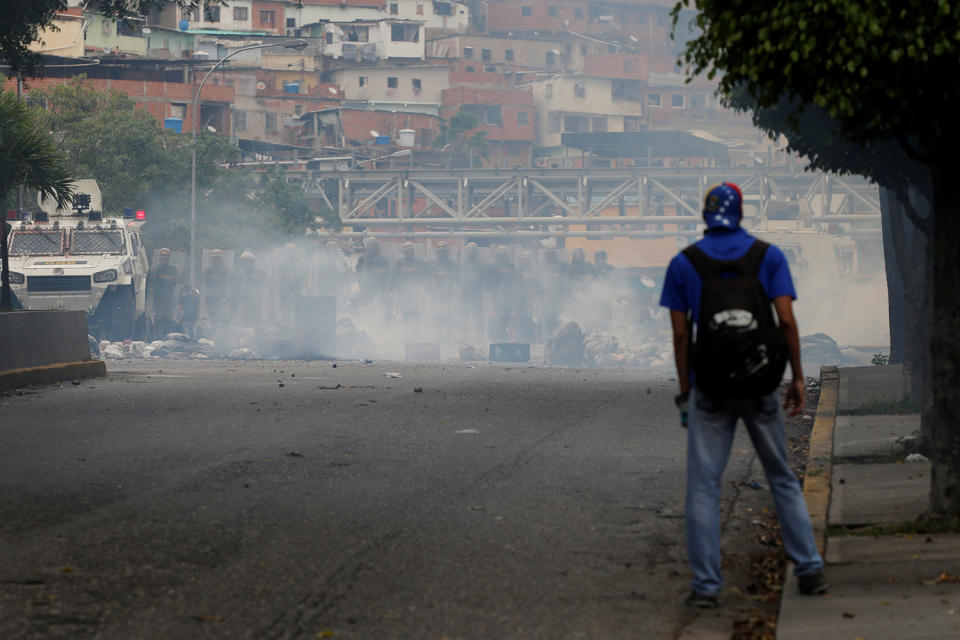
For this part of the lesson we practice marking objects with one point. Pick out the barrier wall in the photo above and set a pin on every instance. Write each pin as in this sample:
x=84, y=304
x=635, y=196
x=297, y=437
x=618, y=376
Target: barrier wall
x=40, y=338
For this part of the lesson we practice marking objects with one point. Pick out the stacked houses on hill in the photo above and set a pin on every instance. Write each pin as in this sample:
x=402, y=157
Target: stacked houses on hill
x=550, y=81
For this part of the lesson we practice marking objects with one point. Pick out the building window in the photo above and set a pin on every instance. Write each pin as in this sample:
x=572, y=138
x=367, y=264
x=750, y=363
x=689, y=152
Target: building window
x=549, y=91
x=442, y=9
x=417, y=85
x=468, y=53
x=487, y=114
x=575, y=124
x=211, y=13
x=523, y=118
x=677, y=100
x=328, y=37
x=401, y=32
x=393, y=83
x=632, y=123
x=485, y=54
x=653, y=99
x=363, y=81
x=508, y=55
x=268, y=17
x=598, y=124
x=270, y=122
x=419, y=9
x=583, y=49
x=471, y=69
x=629, y=90
x=698, y=101
x=394, y=8
x=526, y=11
x=178, y=110
x=240, y=14
x=554, y=122
x=550, y=57
x=579, y=90
x=578, y=13
x=291, y=23
x=298, y=109
x=568, y=48
x=552, y=11
x=186, y=13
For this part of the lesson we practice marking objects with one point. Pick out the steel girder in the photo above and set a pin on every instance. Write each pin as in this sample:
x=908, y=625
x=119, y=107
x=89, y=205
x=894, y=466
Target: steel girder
x=531, y=199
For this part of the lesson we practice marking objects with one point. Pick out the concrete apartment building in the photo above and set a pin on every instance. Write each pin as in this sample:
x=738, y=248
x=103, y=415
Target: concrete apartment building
x=413, y=89
x=371, y=41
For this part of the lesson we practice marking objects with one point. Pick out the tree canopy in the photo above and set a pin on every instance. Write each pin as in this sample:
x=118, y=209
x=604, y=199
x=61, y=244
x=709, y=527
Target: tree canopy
x=859, y=62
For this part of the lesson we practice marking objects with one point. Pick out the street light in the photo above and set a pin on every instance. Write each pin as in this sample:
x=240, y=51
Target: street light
x=296, y=44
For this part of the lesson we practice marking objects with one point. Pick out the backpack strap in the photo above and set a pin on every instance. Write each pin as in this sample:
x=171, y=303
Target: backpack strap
x=750, y=261
x=707, y=267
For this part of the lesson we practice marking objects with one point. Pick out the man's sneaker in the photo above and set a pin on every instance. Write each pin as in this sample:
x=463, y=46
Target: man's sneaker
x=701, y=600
x=814, y=584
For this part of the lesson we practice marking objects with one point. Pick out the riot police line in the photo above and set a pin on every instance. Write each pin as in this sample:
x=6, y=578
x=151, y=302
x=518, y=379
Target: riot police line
x=404, y=292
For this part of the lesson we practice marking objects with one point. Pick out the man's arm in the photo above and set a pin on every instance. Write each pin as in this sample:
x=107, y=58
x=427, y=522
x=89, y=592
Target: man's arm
x=681, y=348
x=796, y=393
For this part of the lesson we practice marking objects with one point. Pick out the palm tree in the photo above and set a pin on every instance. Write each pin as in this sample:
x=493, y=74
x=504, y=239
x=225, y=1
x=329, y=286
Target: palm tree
x=28, y=156
x=458, y=146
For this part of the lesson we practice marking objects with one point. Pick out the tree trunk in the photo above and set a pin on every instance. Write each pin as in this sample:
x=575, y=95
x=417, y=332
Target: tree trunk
x=6, y=299
x=913, y=260
x=945, y=483
x=889, y=207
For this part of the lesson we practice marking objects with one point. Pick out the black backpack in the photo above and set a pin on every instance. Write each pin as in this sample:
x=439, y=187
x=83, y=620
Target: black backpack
x=739, y=350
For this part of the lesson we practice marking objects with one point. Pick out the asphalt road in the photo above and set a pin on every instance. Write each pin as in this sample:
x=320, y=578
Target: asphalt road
x=251, y=499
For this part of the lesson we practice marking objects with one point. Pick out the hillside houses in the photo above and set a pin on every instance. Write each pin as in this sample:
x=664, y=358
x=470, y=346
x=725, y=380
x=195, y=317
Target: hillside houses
x=529, y=70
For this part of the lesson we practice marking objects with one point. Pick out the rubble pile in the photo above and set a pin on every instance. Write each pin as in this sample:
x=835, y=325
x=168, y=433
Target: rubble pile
x=176, y=346
x=605, y=350
x=565, y=348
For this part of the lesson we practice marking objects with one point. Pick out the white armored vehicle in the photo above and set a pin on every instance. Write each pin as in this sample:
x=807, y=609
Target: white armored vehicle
x=76, y=259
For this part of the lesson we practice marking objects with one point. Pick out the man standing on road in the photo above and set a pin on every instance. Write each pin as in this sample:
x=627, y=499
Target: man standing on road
x=725, y=284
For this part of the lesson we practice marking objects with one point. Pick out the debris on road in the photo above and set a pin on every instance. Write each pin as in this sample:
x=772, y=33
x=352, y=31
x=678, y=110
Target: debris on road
x=391, y=374
x=418, y=389
x=916, y=457
x=565, y=348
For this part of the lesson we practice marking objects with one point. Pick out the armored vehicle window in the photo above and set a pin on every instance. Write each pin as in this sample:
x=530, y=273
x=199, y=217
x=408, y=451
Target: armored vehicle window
x=36, y=243
x=97, y=241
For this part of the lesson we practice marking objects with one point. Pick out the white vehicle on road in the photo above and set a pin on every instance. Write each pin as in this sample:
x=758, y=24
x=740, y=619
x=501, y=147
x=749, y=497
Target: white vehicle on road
x=78, y=260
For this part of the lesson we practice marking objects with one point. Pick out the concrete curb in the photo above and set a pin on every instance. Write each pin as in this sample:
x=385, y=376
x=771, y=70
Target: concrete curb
x=816, y=485
x=13, y=378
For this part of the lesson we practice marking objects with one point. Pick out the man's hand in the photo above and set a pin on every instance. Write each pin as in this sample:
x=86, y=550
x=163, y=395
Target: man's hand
x=683, y=404
x=796, y=398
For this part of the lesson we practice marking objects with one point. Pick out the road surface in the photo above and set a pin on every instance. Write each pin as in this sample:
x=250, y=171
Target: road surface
x=304, y=500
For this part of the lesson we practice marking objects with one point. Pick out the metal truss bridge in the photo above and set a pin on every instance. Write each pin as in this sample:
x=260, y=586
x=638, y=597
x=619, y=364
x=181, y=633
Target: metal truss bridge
x=599, y=203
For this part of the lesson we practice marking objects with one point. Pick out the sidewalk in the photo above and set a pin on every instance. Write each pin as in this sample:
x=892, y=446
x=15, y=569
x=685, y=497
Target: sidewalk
x=881, y=586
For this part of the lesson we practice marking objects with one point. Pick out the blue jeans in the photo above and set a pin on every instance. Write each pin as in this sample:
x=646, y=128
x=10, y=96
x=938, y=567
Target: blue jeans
x=710, y=436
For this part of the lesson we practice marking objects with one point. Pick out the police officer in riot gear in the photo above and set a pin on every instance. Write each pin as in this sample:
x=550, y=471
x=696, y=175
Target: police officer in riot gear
x=249, y=284
x=216, y=289
x=372, y=273
x=162, y=284
x=442, y=291
x=407, y=282
x=601, y=267
x=471, y=294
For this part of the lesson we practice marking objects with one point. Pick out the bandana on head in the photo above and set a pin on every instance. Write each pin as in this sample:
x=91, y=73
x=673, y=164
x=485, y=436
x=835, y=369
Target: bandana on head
x=723, y=206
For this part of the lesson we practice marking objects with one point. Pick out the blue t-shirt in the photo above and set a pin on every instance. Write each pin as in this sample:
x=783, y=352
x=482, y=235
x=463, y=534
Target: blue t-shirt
x=682, y=284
